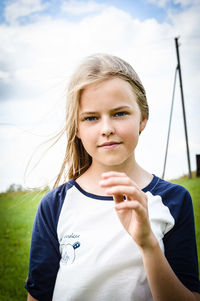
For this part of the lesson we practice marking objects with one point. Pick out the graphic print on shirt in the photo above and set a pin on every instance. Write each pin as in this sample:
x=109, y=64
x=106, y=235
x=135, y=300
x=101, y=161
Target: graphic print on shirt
x=68, y=247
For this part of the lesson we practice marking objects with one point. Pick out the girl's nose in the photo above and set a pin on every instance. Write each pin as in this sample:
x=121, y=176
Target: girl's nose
x=107, y=127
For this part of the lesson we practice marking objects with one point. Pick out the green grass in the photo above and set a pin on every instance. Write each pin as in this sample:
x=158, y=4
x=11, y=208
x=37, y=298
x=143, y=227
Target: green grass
x=193, y=186
x=17, y=212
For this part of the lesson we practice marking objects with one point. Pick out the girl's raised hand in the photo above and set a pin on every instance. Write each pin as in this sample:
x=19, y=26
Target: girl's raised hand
x=131, y=207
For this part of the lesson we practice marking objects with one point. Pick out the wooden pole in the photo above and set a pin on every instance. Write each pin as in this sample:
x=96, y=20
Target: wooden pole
x=183, y=107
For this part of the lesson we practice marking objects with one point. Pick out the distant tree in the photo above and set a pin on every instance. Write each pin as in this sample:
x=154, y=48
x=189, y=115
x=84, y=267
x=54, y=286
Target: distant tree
x=15, y=187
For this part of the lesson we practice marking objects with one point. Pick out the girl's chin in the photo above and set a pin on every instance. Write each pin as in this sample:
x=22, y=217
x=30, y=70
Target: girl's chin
x=115, y=165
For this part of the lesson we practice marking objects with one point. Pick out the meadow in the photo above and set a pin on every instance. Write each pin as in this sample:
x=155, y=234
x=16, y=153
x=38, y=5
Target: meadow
x=17, y=212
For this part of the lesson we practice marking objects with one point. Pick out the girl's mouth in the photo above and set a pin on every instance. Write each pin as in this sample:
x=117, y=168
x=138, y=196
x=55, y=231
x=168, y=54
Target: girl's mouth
x=110, y=145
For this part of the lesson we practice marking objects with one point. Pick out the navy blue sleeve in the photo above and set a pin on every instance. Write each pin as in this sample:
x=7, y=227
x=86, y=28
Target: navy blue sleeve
x=180, y=241
x=44, y=252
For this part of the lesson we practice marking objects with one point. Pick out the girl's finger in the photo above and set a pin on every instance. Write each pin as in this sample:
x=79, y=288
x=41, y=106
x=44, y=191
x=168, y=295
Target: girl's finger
x=131, y=193
x=131, y=205
x=113, y=181
x=118, y=198
x=113, y=178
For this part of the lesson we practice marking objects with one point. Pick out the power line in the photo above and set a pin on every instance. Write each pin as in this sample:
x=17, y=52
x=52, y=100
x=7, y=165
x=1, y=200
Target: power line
x=170, y=120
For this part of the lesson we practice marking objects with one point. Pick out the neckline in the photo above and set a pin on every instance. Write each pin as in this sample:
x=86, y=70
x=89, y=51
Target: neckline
x=110, y=198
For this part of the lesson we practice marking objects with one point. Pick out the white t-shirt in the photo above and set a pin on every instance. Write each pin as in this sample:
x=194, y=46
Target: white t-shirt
x=91, y=257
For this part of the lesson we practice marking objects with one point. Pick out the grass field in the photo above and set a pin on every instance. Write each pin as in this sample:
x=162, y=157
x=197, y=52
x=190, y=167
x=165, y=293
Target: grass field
x=17, y=211
x=193, y=186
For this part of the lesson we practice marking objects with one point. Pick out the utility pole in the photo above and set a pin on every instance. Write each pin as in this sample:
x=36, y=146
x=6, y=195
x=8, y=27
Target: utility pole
x=183, y=107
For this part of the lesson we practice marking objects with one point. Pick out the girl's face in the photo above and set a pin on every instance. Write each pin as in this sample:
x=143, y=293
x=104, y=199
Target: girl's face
x=109, y=122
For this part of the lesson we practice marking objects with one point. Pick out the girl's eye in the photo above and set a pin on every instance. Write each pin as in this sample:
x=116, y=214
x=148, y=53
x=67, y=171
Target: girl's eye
x=90, y=118
x=120, y=114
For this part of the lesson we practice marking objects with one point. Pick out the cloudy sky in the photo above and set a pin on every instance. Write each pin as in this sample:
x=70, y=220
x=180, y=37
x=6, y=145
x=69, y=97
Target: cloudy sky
x=42, y=41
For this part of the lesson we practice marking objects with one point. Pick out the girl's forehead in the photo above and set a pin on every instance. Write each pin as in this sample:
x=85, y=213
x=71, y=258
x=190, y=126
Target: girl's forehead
x=113, y=82
x=114, y=86
x=108, y=94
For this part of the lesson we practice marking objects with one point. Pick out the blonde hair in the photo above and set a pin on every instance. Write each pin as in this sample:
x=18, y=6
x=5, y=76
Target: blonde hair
x=93, y=69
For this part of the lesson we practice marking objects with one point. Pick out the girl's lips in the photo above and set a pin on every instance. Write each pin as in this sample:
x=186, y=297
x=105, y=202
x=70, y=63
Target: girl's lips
x=110, y=145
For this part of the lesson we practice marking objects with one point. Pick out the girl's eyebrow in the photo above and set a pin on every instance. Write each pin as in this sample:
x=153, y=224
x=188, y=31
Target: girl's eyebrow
x=112, y=110
x=87, y=113
x=121, y=108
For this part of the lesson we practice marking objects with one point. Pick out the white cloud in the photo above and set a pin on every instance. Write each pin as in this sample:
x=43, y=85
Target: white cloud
x=22, y=8
x=4, y=75
x=183, y=3
x=160, y=3
x=186, y=22
x=186, y=2
x=77, y=7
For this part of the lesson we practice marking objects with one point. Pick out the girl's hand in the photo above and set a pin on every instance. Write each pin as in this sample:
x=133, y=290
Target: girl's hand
x=133, y=210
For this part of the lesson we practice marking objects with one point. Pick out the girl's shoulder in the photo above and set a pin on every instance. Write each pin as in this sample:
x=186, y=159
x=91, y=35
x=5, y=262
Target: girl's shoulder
x=165, y=188
x=176, y=197
x=52, y=201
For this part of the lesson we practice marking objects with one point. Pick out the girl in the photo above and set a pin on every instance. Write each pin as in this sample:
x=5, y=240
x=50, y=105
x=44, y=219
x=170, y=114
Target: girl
x=113, y=231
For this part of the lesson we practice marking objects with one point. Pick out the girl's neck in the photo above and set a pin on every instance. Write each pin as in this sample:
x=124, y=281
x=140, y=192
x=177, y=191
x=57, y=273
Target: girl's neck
x=89, y=181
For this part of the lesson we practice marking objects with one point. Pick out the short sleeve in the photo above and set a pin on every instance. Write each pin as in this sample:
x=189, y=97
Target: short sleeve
x=180, y=243
x=44, y=252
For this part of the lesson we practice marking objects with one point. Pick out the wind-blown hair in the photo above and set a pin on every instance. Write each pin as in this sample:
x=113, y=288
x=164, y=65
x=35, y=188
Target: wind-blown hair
x=95, y=68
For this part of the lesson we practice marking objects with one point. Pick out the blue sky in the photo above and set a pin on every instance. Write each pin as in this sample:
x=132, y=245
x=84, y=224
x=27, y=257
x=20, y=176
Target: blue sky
x=140, y=9
x=43, y=41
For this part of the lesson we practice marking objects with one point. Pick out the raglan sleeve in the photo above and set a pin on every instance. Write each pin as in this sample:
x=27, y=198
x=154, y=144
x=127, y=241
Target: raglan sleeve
x=180, y=242
x=44, y=252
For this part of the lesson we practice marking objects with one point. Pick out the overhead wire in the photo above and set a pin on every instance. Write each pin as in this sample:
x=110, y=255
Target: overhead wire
x=170, y=121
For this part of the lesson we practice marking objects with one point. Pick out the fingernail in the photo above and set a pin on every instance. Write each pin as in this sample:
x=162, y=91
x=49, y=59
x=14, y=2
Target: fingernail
x=103, y=174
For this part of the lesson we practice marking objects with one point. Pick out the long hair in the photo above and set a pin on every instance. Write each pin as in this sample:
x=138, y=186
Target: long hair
x=93, y=69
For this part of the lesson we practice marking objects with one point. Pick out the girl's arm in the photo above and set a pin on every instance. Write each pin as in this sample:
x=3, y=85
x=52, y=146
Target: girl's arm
x=44, y=252
x=30, y=298
x=163, y=282
x=133, y=214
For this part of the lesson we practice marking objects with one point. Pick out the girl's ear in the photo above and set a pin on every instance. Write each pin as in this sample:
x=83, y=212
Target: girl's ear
x=142, y=125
